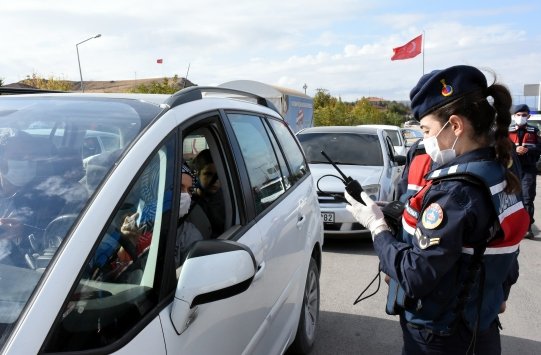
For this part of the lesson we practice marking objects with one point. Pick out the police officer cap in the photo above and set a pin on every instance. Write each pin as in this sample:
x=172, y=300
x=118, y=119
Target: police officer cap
x=440, y=87
x=521, y=108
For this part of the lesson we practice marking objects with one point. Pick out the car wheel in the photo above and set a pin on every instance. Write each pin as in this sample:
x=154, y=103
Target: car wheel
x=306, y=332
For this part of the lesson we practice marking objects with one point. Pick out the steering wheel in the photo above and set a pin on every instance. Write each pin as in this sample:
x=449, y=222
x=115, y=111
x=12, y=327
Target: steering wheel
x=44, y=248
x=57, y=229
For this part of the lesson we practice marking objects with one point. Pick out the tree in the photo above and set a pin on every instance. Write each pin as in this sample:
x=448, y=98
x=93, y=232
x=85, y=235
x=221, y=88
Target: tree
x=167, y=86
x=1, y=82
x=331, y=111
x=35, y=80
x=323, y=98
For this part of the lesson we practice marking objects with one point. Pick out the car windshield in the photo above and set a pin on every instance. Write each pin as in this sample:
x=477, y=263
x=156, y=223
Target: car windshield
x=343, y=148
x=54, y=153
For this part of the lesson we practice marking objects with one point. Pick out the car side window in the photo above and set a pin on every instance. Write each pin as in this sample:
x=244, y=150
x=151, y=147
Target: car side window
x=260, y=159
x=286, y=174
x=293, y=152
x=119, y=284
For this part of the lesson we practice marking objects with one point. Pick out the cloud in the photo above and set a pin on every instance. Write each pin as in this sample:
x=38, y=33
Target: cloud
x=343, y=46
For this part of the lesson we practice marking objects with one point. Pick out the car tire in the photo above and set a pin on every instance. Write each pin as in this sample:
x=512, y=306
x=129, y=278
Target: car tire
x=308, y=322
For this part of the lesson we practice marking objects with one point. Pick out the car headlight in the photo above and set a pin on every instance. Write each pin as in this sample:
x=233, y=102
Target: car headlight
x=372, y=191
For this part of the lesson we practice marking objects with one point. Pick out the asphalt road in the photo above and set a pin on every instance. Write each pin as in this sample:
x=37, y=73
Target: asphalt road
x=349, y=266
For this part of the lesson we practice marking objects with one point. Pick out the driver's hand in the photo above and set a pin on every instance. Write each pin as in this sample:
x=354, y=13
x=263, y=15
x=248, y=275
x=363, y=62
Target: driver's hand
x=130, y=227
x=11, y=228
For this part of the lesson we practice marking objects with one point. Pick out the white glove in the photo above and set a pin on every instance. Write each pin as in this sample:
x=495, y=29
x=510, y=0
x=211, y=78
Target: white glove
x=370, y=216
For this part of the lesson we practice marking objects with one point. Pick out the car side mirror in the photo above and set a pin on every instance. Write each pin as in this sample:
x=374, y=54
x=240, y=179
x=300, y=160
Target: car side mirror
x=213, y=270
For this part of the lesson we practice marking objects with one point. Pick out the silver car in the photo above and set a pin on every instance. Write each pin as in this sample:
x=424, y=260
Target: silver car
x=98, y=254
x=362, y=153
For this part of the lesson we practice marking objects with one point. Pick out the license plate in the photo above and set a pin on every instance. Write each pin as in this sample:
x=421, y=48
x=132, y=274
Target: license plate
x=327, y=217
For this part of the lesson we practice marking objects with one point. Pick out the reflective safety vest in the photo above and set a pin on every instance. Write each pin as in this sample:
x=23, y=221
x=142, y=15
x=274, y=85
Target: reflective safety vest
x=431, y=311
x=524, y=135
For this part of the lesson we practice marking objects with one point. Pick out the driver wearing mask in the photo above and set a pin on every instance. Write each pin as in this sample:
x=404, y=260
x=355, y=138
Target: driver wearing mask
x=25, y=207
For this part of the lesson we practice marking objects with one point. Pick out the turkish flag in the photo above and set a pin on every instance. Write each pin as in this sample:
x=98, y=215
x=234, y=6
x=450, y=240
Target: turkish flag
x=159, y=61
x=408, y=50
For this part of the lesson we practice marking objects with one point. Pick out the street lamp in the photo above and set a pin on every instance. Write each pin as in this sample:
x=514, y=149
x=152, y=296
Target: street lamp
x=305, y=87
x=79, y=61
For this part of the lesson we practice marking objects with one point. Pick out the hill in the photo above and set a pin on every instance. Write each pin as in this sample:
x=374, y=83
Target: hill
x=112, y=85
x=125, y=85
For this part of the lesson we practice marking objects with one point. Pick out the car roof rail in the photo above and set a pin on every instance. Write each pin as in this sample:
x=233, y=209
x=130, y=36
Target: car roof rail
x=194, y=93
x=14, y=91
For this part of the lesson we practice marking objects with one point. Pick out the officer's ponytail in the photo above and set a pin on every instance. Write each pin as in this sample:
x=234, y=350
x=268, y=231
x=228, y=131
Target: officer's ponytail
x=502, y=143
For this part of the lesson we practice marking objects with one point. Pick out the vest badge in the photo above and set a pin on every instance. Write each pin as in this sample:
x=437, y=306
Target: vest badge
x=432, y=216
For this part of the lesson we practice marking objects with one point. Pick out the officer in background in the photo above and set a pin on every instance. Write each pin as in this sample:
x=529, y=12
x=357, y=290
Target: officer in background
x=528, y=148
x=451, y=271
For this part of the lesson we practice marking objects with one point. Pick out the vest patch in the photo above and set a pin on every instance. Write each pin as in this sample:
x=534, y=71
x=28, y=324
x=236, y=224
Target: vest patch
x=432, y=216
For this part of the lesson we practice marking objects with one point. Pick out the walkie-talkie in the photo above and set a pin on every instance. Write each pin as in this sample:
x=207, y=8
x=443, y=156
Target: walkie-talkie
x=352, y=186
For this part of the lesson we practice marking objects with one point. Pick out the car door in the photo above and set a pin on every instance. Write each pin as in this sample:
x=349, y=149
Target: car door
x=232, y=325
x=281, y=207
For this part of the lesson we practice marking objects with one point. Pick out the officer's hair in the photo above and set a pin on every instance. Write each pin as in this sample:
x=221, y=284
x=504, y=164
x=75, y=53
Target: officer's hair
x=490, y=122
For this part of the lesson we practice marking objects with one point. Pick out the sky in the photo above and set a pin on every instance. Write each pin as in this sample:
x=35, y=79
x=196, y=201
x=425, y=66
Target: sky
x=342, y=46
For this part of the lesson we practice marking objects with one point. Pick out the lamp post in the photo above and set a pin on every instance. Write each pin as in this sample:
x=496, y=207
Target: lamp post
x=79, y=61
x=305, y=87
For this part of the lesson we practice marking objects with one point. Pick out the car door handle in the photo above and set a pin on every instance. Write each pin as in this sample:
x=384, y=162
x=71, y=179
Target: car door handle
x=260, y=270
x=301, y=221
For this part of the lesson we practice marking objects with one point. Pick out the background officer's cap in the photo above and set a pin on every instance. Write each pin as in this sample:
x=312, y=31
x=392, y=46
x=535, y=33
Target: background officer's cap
x=521, y=108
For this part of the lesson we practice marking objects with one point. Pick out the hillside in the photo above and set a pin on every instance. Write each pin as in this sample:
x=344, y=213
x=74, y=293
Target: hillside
x=124, y=85
x=112, y=85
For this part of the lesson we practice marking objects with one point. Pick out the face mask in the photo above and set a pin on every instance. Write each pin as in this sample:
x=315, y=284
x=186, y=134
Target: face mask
x=520, y=120
x=433, y=149
x=185, y=202
x=20, y=172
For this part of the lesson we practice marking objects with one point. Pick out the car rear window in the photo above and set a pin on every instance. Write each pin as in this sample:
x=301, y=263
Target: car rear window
x=344, y=148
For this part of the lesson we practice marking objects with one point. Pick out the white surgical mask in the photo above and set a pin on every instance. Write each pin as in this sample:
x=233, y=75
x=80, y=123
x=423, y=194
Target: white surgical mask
x=520, y=120
x=433, y=149
x=20, y=172
x=185, y=202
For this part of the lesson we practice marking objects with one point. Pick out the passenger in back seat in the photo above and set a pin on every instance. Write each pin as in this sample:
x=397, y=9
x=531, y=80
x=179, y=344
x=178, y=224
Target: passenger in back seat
x=193, y=223
x=208, y=193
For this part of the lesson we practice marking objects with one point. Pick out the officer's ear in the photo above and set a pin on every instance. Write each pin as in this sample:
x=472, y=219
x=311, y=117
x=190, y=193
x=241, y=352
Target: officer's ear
x=457, y=124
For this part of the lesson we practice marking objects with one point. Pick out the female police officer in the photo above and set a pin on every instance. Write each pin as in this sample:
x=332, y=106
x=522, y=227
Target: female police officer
x=464, y=226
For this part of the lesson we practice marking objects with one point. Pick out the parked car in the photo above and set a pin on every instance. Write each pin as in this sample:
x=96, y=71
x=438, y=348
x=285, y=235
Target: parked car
x=412, y=124
x=363, y=153
x=72, y=279
x=396, y=135
x=412, y=135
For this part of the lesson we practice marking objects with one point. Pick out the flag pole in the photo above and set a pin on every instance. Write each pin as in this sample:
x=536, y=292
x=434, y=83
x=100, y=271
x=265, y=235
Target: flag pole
x=424, y=38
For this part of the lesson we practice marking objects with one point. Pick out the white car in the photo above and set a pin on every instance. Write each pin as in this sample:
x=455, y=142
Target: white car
x=363, y=153
x=88, y=253
x=396, y=135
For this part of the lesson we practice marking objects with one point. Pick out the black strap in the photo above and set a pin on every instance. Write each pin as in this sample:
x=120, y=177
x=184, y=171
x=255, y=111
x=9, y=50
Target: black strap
x=521, y=132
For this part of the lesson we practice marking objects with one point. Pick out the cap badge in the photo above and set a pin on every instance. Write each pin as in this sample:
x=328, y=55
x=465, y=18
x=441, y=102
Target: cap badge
x=447, y=89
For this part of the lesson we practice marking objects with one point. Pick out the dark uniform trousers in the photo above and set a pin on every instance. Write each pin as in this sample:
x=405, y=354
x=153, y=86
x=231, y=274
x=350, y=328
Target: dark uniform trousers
x=528, y=192
x=418, y=341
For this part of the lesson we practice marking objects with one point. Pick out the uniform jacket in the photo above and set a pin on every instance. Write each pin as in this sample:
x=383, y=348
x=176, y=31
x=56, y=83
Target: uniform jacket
x=527, y=136
x=443, y=222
